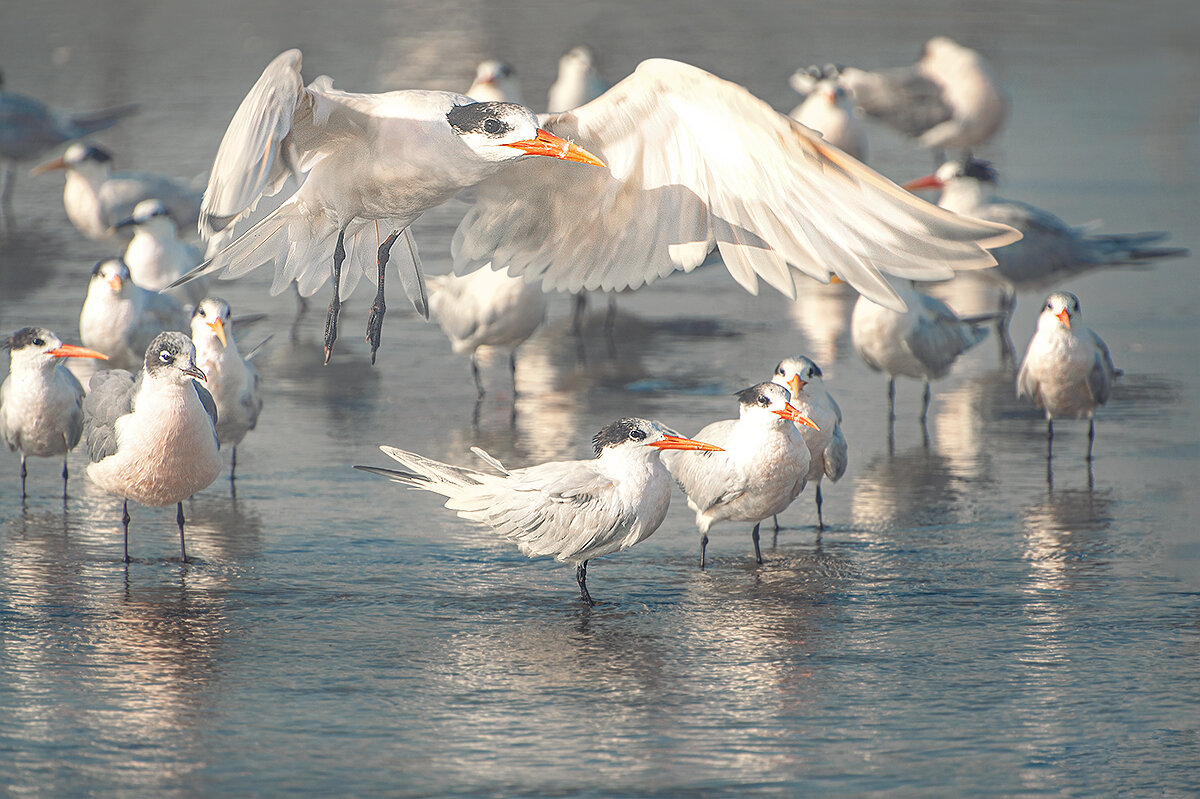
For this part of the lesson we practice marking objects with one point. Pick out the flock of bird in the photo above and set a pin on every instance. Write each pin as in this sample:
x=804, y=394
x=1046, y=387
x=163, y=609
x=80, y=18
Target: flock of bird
x=667, y=170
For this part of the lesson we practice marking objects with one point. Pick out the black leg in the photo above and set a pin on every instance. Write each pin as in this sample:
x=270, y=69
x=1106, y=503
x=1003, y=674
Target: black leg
x=776, y=518
x=757, y=551
x=820, y=520
x=125, y=524
x=579, y=307
x=891, y=398
x=925, y=403
x=475, y=374
x=179, y=520
x=379, y=307
x=64, y=476
x=1091, y=436
x=335, y=305
x=703, y=547
x=233, y=465
x=1049, y=438
x=23, y=473
x=512, y=371
x=581, y=578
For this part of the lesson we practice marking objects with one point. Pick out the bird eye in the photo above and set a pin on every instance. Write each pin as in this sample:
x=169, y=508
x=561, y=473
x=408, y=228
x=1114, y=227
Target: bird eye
x=165, y=356
x=763, y=400
x=201, y=312
x=779, y=371
x=492, y=126
x=637, y=435
x=37, y=342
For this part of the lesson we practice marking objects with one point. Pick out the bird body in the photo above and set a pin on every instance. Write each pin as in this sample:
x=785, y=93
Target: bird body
x=120, y=318
x=573, y=511
x=231, y=379
x=827, y=448
x=762, y=467
x=96, y=198
x=41, y=402
x=577, y=83
x=829, y=111
x=1067, y=369
x=156, y=256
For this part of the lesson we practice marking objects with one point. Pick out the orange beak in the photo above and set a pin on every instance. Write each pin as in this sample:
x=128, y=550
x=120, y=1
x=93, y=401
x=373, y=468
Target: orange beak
x=790, y=412
x=57, y=163
x=71, y=351
x=795, y=384
x=675, y=442
x=552, y=146
x=115, y=284
x=1065, y=318
x=927, y=182
x=218, y=327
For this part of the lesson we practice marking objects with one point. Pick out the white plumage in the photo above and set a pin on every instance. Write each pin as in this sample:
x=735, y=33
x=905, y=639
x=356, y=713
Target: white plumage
x=829, y=111
x=156, y=256
x=120, y=318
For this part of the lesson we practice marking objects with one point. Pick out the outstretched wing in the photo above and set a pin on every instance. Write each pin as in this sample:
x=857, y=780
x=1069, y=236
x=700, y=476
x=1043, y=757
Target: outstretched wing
x=696, y=162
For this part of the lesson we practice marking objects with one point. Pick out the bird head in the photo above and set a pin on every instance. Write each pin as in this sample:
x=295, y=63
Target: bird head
x=211, y=320
x=172, y=357
x=37, y=347
x=501, y=132
x=771, y=398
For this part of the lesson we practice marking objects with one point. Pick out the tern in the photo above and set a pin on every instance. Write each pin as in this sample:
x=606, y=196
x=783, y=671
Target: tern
x=495, y=81
x=156, y=256
x=948, y=99
x=1067, y=369
x=573, y=511
x=763, y=467
x=231, y=379
x=694, y=164
x=827, y=449
x=1050, y=251
x=486, y=308
x=829, y=110
x=120, y=318
x=29, y=129
x=96, y=198
x=153, y=438
x=41, y=402
x=578, y=81
x=922, y=342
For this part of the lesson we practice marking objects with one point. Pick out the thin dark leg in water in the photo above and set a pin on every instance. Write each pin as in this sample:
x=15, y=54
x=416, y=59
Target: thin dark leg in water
x=512, y=370
x=703, y=547
x=1091, y=436
x=379, y=307
x=579, y=307
x=179, y=521
x=64, y=477
x=23, y=473
x=891, y=398
x=335, y=305
x=925, y=403
x=757, y=551
x=125, y=524
x=776, y=518
x=233, y=465
x=581, y=578
x=478, y=378
x=820, y=521
x=1049, y=438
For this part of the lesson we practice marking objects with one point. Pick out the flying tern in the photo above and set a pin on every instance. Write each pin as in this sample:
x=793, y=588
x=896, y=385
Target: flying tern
x=694, y=163
x=41, y=402
x=153, y=438
x=762, y=468
x=573, y=511
x=1067, y=369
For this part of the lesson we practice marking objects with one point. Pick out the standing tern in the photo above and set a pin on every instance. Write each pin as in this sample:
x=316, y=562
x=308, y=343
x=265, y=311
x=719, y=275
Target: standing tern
x=1067, y=369
x=486, y=308
x=96, y=198
x=41, y=402
x=948, y=99
x=922, y=342
x=578, y=81
x=495, y=81
x=231, y=379
x=762, y=468
x=29, y=129
x=1050, y=251
x=829, y=110
x=573, y=511
x=828, y=453
x=694, y=163
x=153, y=438
x=156, y=256
x=120, y=318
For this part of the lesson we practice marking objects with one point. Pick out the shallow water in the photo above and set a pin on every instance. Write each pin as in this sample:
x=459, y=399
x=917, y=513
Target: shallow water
x=970, y=622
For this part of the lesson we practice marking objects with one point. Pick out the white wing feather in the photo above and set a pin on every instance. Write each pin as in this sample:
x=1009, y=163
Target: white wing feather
x=697, y=162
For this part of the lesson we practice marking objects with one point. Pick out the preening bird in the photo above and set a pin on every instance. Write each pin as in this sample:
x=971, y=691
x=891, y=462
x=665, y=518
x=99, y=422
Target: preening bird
x=120, y=318
x=694, y=163
x=1067, y=369
x=41, y=402
x=153, y=438
x=762, y=467
x=230, y=378
x=29, y=129
x=827, y=449
x=829, y=111
x=573, y=511
x=1050, y=251
x=96, y=198
x=922, y=342
x=948, y=99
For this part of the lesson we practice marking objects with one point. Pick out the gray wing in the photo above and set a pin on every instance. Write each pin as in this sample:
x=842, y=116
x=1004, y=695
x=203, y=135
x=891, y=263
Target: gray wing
x=252, y=397
x=940, y=336
x=1100, y=379
x=210, y=407
x=1048, y=251
x=705, y=476
x=1027, y=384
x=4, y=431
x=110, y=396
x=837, y=454
x=902, y=98
x=75, y=422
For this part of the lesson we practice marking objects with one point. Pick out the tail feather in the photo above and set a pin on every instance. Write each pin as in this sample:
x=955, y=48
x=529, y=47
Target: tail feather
x=1131, y=248
x=88, y=123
